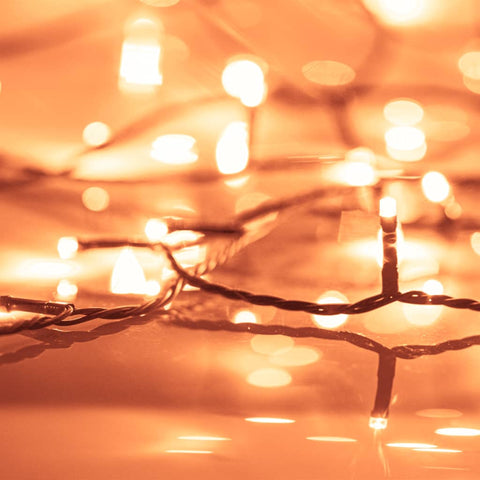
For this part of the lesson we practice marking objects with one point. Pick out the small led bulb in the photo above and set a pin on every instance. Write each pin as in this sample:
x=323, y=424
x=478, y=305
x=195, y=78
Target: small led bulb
x=388, y=207
x=67, y=247
x=378, y=423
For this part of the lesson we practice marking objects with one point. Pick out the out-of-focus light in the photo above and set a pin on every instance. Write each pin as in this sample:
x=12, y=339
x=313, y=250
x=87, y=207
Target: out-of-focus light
x=356, y=174
x=244, y=79
x=67, y=247
x=405, y=143
x=270, y=420
x=156, y=229
x=422, y=315
x=458, y=432
x=361, y=154
x=204, y=438
x=432, y=287
x=269, y=378
x=473, y=84
x=397, y=12
x=95, y=198
x=66, y=290
x=193, y=452
x=244, y=316
x=469, y=65
x=128, y=276
x=403, y=112
x=96, y=134
x=46, y=269
x=332, y=439
x=437, y=450
x=388, y=207
x=378, y=423
x=141, y=55
x=411, y=445
x=296, y=357
x=453, y=210
x=475, y=242
x=160, y=3
x=232, y=149
x=328, y=73
x=152, y=288
x=271, y=344
x=174, y=149
x=439, y=413
x=435, y=187
x=331, y=321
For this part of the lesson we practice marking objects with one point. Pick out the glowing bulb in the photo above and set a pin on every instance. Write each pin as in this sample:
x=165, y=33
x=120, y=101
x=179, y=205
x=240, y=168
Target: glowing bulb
x=127, y=276
x=141, y=56
x=156, y=229
x=388, y=207
x=174, y=149
x=378, y=423
x=406, y=143
x=331, y=321
x=96, y=134
x=67, y=247
x=95, y=199
x=244, y=79
x=432, y=287
x=66, y=290
x=244, y=316
x=232, y=149
x=422, y=315
x=397, y=11
x=403, y=112
x=435, y=187
x=356, y=174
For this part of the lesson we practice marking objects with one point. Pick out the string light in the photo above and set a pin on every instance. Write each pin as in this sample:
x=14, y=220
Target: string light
x=232, y=149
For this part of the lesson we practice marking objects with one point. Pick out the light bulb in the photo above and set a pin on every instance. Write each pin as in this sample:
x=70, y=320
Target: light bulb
x=174, y=149
x=67, y=247
x=435, y=187
x=378, y=423
x=232, y=149
x=388, y=207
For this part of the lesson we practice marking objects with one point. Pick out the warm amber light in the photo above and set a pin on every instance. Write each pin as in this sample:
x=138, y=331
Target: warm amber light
x=331, y=321
x=458, y=432
x=271, y=344
x=328, y=73
x=141, y=55
x=356, y=174
x=156, y=229
x=272, y=420
x=439, y=413
x=403, y=112
x=95, y=198
x=269, y=378
x=67, y=247
x=204, y=438
x=66, y=290
x=405, y=143
x=332, y=439
x=96, y=134
x=435, y=187
x=475, y=242
x=296, y=357
x=174, y=149
x=193, y=452
x=422, y=315
x=469, y=65
x=388, y=207
x=397, y=11
x=232, y=149
x=378, y=423
x=411, y=445
x=128, y=276
x=244, y=316
x=437, y=450
x=244, y=79
x=42, y=269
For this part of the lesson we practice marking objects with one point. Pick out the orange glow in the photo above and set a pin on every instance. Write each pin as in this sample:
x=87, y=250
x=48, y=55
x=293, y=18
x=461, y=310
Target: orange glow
x=437, y=450
x=475, y=242
x=271, y=344
x=378, y=423
x=469, y=65
x=397, y=12
x=361, y=154
x=422, y=315
x=296, y=357
x=388, y=207
x=411, y=445
x=435, y=187
x=433, y=287
x=67, y=247
x=232, y=149
x=328, y=73
x=156, y=229
x=439, y=413
x=458, y=432
x=331, y=321
x=95, y=198
x=473, y=84
x=174, y=149
x=141, y=55
x=96, y=134
x=403, y=112
x=204, y=438
x=244, y=79
x=244, y=316
x=271, y=420
x=356, y=174
x=66, y=290
x=194, y=452
x=127, y=276
x=332, y=439
x=46, y=269
x=269, y=378
x=405, y=143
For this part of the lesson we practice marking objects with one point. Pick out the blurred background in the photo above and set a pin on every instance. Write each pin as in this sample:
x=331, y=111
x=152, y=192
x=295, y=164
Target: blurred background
x=117, y=115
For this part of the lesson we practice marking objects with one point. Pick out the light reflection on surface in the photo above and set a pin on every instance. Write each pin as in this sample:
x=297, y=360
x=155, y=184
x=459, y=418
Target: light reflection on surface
x=269, y=378
x=244, y=316
x=405, y=143
x=206, y=438
x=194, y=452
x=96, y=199
x=174, y=149
x=403, y=112
x=411, y=445
x=439, y=413
x=271, y=344
x=458, y=432
x=272, y=420
x=437, y=450
x=296, y=357
x=332, y=439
